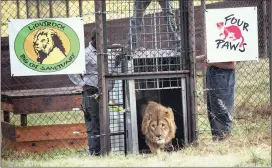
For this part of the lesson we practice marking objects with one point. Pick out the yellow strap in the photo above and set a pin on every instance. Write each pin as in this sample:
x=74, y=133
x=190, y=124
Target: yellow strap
x=116, y=108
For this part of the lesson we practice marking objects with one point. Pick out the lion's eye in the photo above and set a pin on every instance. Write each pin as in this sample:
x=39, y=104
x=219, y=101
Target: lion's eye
x=153, y=125
x=163, y=125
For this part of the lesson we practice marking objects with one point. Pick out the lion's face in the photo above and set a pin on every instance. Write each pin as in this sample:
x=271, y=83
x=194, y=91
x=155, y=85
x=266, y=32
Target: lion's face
x=158, y=131
x=43, y=42
x=158, y=123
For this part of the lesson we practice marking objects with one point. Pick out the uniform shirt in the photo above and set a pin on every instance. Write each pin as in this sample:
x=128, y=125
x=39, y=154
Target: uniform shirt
x=91, y=76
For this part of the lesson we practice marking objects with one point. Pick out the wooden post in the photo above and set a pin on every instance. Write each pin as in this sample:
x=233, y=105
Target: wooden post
x=6, y=116
x=18, y=8
x=203, y=47
x=80, y=7
x=102, y=61
x=50, y=9
x=188, y=33
x=38, y=8
x=27, y=9
x=23, y=119
x=270, y=47
x=67, y=8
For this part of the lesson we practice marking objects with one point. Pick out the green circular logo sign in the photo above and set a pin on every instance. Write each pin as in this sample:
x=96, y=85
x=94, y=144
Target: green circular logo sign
x=47, y=45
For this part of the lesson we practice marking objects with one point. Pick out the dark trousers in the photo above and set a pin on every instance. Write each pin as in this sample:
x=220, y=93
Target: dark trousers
x=220, y=100
x=91, y=116
x=169, y=17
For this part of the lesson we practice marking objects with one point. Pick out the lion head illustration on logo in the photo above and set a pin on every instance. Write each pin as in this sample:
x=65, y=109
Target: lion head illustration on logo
x=48, y=46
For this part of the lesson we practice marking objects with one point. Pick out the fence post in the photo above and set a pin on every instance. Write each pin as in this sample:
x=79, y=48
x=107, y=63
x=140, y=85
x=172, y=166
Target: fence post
x=50, y=8
x=269, y=46
x=27, y=9
x=203, y=46
x=102, y=61
x=67, y=8
x=264, y=28
x=1, y=64
x=190, y=30
x=80, y=7
x=38, y=8
x=18, y=8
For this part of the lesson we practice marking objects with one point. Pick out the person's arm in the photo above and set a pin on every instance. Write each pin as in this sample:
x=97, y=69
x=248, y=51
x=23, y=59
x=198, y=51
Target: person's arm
x=223, y=65
x=77, y=78
x=200, y=58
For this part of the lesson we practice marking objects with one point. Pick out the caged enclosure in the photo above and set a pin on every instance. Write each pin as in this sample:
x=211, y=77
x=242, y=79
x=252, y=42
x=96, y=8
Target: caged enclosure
x=153, y=44
x=142, y=38
x=157, y=65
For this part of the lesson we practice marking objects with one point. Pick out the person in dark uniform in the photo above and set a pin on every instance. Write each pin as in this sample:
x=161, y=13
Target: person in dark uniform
x=89, y=84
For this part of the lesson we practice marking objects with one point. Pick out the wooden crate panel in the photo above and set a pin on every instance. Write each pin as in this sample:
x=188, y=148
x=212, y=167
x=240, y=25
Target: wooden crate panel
x=50, y=132
x=42, y=104
x=44, y=146
x=6, y=106
x=8, y=130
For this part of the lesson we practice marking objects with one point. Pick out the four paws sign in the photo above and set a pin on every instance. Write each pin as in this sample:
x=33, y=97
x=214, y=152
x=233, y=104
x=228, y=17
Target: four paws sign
x=232, y=34
x=46, y=46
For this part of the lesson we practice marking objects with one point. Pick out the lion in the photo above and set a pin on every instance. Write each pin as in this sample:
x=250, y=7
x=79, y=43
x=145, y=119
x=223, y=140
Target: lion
x=48, y=46
x=158, y=126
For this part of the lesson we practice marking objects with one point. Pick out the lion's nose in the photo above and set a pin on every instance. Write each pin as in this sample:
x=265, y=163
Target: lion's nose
x=158, y=135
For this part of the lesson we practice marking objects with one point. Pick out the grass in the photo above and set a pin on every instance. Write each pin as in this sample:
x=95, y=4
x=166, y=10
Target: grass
x=253, y=157
x=242, y=150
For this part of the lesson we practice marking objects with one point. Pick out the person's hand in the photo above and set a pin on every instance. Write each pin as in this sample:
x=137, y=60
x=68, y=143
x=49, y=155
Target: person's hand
x=206, y=63
x=121, y=57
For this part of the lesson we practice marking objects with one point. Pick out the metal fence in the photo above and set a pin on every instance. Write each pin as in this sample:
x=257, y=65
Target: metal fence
x=44, y=113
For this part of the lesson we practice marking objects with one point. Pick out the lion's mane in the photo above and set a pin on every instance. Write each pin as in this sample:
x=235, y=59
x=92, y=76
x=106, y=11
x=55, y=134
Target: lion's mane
x=158, y=120
x=52, y=40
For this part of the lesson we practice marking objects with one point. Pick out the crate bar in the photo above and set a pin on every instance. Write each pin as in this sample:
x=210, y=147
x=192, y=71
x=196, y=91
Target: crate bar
x=148, y=75
x=101, y=41
x=184, y=109
x=134, y=144
x=183, y=32
x=125, y=116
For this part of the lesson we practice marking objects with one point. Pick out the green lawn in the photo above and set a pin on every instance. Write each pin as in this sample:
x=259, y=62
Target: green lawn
x=250, y=146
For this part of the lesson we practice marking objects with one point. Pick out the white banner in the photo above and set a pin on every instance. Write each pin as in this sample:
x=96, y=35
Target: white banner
x=232, y=34
x=46, y=46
